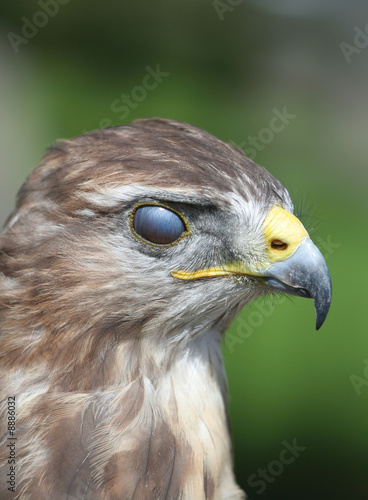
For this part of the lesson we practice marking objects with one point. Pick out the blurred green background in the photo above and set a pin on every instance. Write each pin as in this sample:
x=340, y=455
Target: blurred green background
x=226, y=67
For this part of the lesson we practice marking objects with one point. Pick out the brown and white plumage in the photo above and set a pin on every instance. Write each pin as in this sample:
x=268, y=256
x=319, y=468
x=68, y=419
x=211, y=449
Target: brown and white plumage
x=110, y=344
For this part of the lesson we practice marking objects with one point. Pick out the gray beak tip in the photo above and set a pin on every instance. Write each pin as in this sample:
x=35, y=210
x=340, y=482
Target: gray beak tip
x=319, y=323
x=304, y=274
x=322, y=299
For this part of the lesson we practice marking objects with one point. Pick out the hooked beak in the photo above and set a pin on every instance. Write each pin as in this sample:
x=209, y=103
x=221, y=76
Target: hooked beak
x=304, y=274
x=295, y=265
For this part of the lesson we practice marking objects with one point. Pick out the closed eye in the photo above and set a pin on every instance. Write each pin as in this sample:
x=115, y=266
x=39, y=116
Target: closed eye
x=158, y=224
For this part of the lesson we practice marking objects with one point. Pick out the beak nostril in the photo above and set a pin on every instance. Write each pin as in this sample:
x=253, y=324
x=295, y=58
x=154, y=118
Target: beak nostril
x=279, y=245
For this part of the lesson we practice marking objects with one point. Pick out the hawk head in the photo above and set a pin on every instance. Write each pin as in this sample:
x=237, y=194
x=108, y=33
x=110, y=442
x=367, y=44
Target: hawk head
x=130, y=251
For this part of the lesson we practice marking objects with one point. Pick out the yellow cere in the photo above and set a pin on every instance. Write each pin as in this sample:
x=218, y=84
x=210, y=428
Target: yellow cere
x=283, y=234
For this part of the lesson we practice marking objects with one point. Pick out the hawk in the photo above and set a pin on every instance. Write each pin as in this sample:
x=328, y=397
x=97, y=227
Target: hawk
x=130, y=251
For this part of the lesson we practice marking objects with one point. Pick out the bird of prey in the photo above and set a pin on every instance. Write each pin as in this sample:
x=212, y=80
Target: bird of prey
x=130, y=251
